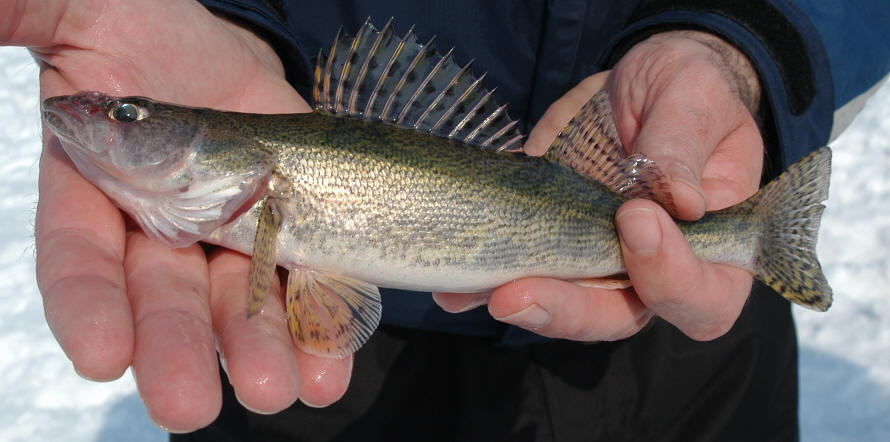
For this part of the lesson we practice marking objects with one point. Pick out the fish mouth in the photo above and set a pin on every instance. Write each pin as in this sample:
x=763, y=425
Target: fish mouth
x=61, y=118
x=68, y=116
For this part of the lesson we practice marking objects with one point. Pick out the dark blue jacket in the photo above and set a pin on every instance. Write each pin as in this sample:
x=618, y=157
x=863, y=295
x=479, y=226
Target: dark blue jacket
x=813, y=58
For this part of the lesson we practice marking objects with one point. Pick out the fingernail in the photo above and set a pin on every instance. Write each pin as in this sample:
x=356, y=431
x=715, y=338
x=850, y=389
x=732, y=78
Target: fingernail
x=532, y=317
x=222, y=356
x=251, y=409
x=84, y=376
x=310, y=404
x=640, y=230
x=475, y=301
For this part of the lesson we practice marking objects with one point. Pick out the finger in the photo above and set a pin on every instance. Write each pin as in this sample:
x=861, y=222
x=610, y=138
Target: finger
x=35, y=23
x=174, y=362
x=266, y=371
x=681, y=123
x=79, y=238
x=732, y=173
x=561, y=309
x=323, y=381
x=561, y=112
x=460, y=302
x=701, y=299
x=257, y=353
x=88, y=48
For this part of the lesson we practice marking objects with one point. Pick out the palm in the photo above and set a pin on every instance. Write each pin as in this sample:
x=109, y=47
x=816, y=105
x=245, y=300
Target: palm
x=115, y=300
x=175, y=51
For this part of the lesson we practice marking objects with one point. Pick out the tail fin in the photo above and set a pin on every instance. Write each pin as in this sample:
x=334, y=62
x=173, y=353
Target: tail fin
x=791, y=209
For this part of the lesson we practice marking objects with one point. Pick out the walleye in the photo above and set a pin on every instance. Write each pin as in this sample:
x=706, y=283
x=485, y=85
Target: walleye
x=407, y=175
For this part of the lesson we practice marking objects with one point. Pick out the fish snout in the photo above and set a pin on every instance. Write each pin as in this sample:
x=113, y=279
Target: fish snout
x=71, y=117
x=61, y=118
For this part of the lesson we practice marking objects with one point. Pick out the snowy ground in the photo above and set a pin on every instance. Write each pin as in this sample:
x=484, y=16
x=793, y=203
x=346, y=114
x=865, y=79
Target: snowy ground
x=845, y=353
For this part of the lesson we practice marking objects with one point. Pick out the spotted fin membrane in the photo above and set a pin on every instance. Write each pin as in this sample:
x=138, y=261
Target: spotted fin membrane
x=589, y=145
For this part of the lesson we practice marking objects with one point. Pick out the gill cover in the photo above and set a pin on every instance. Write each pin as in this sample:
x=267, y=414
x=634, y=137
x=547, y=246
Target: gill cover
x=222, y=172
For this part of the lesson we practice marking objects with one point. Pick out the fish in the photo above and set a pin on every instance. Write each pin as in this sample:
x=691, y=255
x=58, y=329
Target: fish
x=408, y=174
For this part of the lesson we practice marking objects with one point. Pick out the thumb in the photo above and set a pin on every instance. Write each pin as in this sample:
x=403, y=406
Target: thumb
x=679, y=136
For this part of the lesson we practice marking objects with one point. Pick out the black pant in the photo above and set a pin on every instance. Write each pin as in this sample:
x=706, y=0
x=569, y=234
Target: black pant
x=658, y=386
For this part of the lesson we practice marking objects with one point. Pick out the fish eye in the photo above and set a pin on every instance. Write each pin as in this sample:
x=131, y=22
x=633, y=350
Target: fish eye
x=127, y=112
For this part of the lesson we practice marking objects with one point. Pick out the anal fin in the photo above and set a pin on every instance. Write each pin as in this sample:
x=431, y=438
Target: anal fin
x=263, y=261
x=330, y=315
x=589, y=144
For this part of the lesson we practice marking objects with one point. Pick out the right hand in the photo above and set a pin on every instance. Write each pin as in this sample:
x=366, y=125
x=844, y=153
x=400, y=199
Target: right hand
x=685, y=100
x=112, y=297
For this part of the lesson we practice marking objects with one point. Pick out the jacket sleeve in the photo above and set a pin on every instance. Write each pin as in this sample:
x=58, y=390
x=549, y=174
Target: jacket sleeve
x=856, y=37
x=812, y=58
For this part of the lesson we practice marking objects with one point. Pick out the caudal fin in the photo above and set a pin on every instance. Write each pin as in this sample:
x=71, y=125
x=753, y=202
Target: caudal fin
x=791, y=209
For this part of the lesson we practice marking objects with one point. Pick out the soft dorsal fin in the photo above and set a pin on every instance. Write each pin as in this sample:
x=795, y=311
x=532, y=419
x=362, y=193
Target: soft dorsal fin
x=589, y=144
x=378, y=76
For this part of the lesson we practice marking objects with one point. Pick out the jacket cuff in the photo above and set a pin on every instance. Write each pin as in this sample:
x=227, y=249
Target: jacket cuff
x=784, y=48
x=270, y=26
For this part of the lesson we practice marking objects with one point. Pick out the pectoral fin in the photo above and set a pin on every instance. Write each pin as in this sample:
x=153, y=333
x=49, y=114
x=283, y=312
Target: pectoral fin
x=330, y=315
x=263, y=262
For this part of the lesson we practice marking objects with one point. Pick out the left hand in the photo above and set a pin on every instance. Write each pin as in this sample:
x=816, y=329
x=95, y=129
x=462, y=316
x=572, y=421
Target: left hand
x=112, y=297
x=684, y=99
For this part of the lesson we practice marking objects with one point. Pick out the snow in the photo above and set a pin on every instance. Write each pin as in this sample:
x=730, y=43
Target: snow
x=41, y=397
x=844, y=354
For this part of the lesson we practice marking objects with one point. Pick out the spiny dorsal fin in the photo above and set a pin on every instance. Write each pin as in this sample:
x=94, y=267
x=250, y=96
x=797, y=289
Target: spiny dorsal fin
x=378, y=76
x=589, y=144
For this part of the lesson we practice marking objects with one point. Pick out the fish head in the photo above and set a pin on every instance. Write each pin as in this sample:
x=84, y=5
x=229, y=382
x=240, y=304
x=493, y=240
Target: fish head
x=170, y=167
x=132, y=139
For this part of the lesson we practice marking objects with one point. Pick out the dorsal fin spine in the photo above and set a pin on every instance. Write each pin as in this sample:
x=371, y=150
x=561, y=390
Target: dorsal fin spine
x=392, y=96
x=441, y=95
x=420, y=89
x=505, y=147
x=386, y=74
x=499, y=133
x=363, y=72
x=459, y=101
x=328, y=68
x=472, y=113
x=485, y=123
x=347, y=66
x=316, y=87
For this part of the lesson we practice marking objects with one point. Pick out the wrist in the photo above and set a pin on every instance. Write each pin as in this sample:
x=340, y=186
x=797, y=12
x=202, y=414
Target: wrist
x=735, y=67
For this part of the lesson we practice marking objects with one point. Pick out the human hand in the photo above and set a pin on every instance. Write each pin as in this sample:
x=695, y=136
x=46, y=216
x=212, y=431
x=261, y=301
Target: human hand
x=112, y=297
x=684, y=99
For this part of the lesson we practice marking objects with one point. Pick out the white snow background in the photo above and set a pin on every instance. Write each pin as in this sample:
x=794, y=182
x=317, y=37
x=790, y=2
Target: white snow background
x=844, y=354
